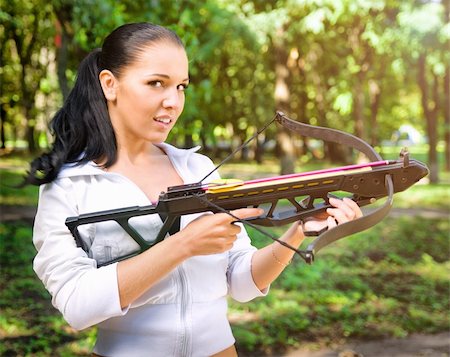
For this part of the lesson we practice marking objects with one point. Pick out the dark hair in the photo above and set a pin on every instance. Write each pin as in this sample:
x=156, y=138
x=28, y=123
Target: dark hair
x=82, y=128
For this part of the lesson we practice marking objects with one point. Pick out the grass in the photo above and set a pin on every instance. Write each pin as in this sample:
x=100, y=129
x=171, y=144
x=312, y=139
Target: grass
x=380, y=283
x=389, y=281
x=10, y=195
x=435, y=196
x=29, y=325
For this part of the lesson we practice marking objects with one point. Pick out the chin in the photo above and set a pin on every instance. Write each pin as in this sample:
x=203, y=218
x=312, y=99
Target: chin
x=157, y=139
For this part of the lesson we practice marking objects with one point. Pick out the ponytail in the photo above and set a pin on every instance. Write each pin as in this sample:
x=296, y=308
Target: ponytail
x=81, y=128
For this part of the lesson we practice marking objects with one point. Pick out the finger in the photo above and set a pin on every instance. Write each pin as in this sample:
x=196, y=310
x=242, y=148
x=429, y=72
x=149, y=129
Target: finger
x=234, y=230
x=338, y=215
x=224, y=229
x=331, y=222
x=202, y=215
x=227, y=246
x=342, y=205
x=229, y=239
x=227, y=242
x=354, y=206
x=314, y=226
x=244, y=213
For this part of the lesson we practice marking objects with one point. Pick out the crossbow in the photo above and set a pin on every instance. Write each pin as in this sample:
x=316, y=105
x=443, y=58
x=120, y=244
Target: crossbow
x=285, y=198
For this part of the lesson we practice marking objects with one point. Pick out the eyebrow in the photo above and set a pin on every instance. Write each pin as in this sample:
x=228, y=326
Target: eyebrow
x=165, y=76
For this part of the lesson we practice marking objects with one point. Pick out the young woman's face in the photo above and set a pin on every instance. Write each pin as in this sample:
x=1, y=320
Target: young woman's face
x=148, y=97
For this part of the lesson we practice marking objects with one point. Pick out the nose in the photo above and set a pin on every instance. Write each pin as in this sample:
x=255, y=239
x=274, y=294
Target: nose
x=174, y=98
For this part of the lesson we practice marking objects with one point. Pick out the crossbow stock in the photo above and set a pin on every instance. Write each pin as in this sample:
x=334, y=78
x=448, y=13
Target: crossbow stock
x=285, y=199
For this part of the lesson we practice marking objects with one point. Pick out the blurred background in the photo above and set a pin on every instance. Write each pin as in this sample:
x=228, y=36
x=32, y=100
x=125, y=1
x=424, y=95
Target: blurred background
x=378, y=69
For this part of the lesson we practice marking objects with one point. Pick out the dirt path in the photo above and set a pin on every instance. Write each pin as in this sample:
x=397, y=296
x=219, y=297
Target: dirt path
x=413, y=346
x=9, y=213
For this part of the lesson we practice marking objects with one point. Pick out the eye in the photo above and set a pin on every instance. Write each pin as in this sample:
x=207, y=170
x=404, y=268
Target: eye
x=155, y=84
x=182, y=87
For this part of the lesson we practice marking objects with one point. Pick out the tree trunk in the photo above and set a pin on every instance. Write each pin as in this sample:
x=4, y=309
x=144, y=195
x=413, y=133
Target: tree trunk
x=375, y=95
x=446, y=105
x=188, y=140
x=2, y=127
x=31, y=139
x=28, y=88
x=205, y=146
x=358, y=105
x=62, y=53
x=303, y=103
x=285, y=144
x=28, y=105
x=446, y=101
x=65, y=33
x=363, y=54
x=430, y=108
x=338, y=153
x=259, y=150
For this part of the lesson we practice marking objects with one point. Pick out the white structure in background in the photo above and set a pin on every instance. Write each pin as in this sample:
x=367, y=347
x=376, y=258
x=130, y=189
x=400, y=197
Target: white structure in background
x=407, y=136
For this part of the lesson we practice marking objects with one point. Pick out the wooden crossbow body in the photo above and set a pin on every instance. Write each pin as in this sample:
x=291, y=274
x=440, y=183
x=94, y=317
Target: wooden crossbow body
x=285, y=199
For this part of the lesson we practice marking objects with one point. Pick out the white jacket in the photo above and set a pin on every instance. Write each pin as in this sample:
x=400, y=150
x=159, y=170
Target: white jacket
x=182, y=315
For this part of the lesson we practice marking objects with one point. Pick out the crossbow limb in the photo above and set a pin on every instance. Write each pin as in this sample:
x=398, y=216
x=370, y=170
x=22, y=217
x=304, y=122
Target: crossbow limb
x=340, y=137
x=366, y=183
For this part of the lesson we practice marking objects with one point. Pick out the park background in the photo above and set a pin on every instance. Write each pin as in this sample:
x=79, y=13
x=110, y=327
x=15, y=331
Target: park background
x=377, y=69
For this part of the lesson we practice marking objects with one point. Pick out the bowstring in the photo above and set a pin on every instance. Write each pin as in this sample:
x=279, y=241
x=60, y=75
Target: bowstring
x=240, y=147
x=302, y=253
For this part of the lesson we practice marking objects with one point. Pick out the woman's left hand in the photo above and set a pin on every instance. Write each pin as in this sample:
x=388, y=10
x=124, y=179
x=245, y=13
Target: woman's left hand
x=270, y=261
x=344, y=210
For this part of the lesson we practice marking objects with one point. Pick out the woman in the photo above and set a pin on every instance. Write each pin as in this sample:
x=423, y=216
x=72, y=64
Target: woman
x=109, y=152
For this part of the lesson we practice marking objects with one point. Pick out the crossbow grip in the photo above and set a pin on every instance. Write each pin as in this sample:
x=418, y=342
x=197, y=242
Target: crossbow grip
x=355, y=226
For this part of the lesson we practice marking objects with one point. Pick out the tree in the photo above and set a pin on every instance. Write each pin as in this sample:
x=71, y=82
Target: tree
x=445, y=40
x=325, y=61
x=28, y=27
x=346, y=64
x=422, y=25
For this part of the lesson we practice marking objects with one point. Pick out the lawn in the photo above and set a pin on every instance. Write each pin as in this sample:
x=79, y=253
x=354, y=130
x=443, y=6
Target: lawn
x=389, y=281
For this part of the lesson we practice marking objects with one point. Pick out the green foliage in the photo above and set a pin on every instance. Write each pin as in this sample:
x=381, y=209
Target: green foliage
x=11, y=195
x=389, y=281
x=26, y=34
x=425, y=196
x=12, y=170
x=338, y=55
x=28, y=323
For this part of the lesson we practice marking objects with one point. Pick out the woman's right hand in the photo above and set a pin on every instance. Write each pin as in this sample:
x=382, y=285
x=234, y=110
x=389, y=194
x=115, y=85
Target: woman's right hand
x=214, y=233
x=208, y=234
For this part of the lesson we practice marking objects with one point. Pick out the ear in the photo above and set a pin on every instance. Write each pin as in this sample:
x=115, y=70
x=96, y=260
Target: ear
x=109, y=84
